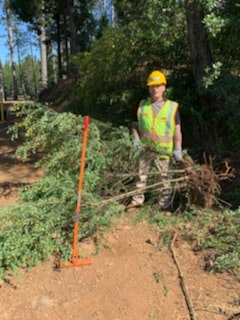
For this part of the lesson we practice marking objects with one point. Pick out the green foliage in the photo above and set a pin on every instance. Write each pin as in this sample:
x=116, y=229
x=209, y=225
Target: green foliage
x=223, y=238
x=25, y=10
x=213, y=23
x=215, y=233
x=212, y=74
x=30, y=68
x=30, y=232
x=86, y=24
x=149, y=34
x=154, y=35
x=29, y=74
x=42, y=222
x=218, y=233
x=106, y=90
x=7, y=78
x=113, y=74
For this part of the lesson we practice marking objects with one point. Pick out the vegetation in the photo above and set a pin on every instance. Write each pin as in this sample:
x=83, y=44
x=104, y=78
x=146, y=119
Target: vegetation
x=106, y=55
x=28, y=78
x=110, y=61
x=41, y=223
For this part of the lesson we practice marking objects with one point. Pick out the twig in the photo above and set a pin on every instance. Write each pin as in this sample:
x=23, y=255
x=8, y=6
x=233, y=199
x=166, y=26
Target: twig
x=135, y=174
x=227, y=174
x=182, y=282
x=228, y=311
x=224, y=202
x=155, y=186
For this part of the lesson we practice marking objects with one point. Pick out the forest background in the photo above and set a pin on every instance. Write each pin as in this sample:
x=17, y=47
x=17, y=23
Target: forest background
x=103, y=51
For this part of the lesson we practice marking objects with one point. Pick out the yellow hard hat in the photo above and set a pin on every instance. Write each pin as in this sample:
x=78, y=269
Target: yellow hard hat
x=156, y=77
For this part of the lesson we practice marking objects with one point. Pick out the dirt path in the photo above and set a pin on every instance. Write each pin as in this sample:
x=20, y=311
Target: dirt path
x=130, y=280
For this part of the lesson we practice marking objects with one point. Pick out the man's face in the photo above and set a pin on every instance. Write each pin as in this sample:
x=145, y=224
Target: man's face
x=157, y=91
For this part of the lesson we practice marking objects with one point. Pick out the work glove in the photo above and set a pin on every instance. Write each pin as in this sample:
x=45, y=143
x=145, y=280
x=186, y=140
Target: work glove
x=137, y=143
x=177, y=153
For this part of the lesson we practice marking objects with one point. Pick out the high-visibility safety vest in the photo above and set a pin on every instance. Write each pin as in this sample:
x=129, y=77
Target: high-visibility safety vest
x=156, y=132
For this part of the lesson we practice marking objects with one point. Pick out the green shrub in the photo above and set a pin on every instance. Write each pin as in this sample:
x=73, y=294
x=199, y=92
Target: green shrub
x=41, y=223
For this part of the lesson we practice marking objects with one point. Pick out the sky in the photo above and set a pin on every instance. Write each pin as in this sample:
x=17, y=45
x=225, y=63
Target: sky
x=4, y=49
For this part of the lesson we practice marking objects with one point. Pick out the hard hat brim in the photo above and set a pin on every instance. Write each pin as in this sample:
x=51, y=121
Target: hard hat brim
x=155, y=83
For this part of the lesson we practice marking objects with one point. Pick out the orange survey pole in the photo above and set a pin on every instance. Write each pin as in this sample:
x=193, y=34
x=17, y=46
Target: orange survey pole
x=75, y=261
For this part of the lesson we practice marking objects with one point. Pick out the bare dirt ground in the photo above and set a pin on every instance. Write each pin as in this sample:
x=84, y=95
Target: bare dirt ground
x=131, y=279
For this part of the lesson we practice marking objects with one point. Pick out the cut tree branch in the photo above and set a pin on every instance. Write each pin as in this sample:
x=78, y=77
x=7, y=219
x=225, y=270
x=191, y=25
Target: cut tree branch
x=156, y=186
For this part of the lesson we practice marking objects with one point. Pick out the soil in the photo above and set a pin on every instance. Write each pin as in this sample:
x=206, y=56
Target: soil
x=130, y=279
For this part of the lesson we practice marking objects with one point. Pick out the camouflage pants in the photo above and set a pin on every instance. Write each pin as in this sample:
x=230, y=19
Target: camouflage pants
x=162, y=165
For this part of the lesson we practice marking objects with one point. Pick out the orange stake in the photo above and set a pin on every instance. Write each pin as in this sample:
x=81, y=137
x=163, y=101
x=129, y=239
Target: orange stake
x=75, y=261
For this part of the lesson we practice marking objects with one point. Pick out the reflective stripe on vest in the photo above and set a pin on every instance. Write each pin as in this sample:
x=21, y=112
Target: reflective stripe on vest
x=156, y=138
x=160, y=128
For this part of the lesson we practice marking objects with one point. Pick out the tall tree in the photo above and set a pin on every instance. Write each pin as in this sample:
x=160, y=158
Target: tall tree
x=201, y=57
x=32, y=75
x=33, y=12
x=11, y=47
x=74, y=41
x=7, y=79
x=34, y=69
x=43, y=46
x=20, y=68
x=2, y=97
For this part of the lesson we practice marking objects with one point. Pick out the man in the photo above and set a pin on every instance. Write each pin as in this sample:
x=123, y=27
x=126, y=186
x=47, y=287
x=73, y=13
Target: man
x=158, y=134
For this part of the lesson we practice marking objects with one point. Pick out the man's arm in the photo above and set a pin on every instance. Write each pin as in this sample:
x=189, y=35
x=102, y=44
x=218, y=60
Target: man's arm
x=135, y=132
x=136, y=136
x=177, y=139
x=177, y=153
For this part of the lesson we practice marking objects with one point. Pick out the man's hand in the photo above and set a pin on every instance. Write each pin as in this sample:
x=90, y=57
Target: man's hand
x=137, y=143
x=177, y=153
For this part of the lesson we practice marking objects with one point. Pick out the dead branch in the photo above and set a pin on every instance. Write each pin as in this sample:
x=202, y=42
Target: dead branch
x=201, y=181
x=227, y=174
x=135, y=174
x=228, y=311
x=181, y=278
x=158, y=186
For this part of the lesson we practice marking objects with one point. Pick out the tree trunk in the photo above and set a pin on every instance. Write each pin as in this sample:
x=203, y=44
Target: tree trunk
x=113, y=15
x=43, y=50
x=200, y=52
x=74, y=43
x=11, y=46
x=22, y=82
x=2, y=96
x=34, y=73
x=201, y=58
x=66, y=48
x=59, y=51
x=54, y=66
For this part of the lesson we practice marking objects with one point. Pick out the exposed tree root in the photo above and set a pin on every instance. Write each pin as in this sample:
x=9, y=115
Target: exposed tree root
x=204, y=181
